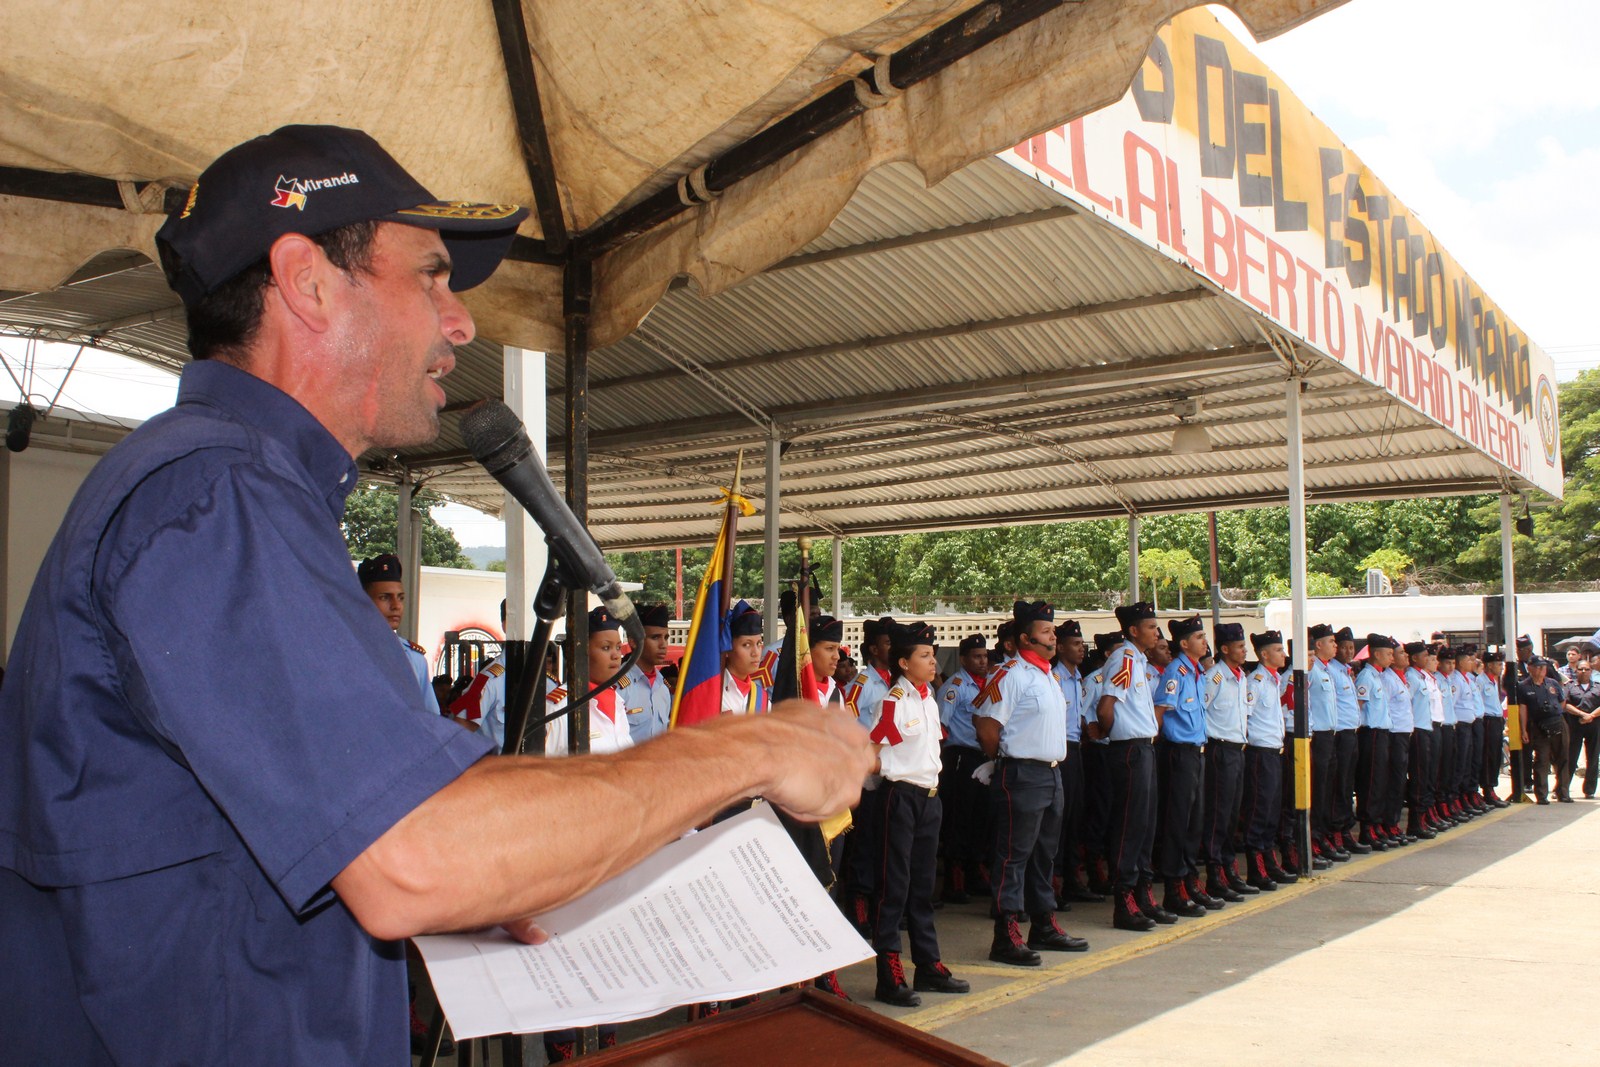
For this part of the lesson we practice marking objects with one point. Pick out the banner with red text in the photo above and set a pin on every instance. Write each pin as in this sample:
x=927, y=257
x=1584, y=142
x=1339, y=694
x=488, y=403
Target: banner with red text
x=1212, y=160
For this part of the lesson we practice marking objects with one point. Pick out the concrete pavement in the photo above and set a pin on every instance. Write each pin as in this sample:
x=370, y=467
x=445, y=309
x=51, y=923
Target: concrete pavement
x=1423, y=955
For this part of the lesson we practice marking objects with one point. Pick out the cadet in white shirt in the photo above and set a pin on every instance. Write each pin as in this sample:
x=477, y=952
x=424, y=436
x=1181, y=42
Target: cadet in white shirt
x=645, y=693
x=1228, y=698
x=608, y=721
x=742, y=691
x=907, y=730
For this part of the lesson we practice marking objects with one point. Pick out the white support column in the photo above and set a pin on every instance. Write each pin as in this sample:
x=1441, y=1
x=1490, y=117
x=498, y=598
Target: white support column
x=770, y=591
x=407, y=533
x=1133, y=557
x=1297, y=622
x=1508, y=574
x=526, y=551
x=838, y=576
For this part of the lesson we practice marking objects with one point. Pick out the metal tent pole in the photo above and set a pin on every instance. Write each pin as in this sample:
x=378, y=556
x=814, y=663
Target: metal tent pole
x=769, y=588
x=1301, y=760
x=1133, y=557
x=406, y=536
x=838, y=576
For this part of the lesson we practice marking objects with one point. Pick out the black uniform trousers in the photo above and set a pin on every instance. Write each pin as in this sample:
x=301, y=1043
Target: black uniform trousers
x=908, y=849
x=1071, y=812
x=1445, y=739
x=1582, y=736
x=1346, y=761
x=1261, y=797
x=1096, y=832
x=1324, y=762
x=1224, y=779
x=1182, y=771
x=966, y=807
x=1419, y=791
x=1131, y=767
x=1372, y=774
x=1494, y=740
x=1549, y=754
x=1028, y=800
x=1287, y=813
x=861, y=861
x=1394, y=792
x=1464, y=764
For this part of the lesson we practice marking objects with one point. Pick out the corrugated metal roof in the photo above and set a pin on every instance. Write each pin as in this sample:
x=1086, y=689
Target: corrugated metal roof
x=961, y=356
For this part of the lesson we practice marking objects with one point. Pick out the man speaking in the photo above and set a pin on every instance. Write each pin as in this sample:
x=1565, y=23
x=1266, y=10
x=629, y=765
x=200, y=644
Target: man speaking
x=219, y=811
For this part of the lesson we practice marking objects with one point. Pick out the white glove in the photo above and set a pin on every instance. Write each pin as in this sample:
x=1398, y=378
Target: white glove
x=984, y=772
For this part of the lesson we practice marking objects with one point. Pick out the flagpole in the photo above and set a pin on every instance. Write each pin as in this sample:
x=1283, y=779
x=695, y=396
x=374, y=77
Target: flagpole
x=732, y=520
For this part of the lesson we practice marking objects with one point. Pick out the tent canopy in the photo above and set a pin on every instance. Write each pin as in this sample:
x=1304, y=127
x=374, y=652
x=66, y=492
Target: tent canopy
x=584, y=108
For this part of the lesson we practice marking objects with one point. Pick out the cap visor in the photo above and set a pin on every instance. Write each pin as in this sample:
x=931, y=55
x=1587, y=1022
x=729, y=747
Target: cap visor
x=478, y=236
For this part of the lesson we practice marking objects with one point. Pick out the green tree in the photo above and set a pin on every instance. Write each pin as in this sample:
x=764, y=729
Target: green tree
x=1317, y=584
x=1391, y=561
x=1169, y=568
x=370, y=527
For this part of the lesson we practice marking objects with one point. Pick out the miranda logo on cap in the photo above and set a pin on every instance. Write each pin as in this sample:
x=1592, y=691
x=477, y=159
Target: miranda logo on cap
x=291, y=192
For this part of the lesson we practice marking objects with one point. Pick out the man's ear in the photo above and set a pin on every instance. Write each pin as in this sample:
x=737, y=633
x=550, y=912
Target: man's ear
x=301, y=276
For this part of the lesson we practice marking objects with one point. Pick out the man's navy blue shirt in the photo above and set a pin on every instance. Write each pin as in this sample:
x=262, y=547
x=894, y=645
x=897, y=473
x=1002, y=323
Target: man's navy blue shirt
x=203, y=722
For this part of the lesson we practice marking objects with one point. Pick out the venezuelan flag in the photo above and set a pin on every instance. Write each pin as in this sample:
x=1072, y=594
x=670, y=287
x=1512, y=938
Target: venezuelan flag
x=698, y=697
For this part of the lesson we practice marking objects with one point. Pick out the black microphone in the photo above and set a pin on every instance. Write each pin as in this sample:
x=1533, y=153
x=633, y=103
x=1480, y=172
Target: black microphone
x=499, y=441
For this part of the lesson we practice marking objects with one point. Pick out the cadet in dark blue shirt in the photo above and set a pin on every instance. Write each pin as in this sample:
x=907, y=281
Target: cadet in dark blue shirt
x=219, y=810
x=1180, y=697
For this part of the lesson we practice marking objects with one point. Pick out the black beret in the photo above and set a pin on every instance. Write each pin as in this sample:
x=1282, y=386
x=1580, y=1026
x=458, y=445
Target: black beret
x=827, y=628
x=1493, y=656
x=1128, y=614
x=744, y=621
x=1228, y=632
x=1381, y=641
x=1025, y=614
x=1181, y=628
x=384, y=568
x=1445, y=652
x=1266, y=639
x=1416, y=648
x=972, y=643
x=1525, y=641
x=1538, y=661
x=1106, y=642
x=1070, y=628
x=914, y=633
x=1345, y=634
x=601, y=620
x=1318, y=631
x=654, y=615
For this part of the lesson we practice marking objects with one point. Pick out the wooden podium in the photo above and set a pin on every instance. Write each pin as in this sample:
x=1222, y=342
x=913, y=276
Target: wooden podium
x=804, y=1029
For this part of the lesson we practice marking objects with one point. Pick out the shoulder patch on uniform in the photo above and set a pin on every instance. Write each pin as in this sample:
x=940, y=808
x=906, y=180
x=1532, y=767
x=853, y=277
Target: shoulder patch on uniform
x=950, y=695
x=1124, y=676
x=624, y=683
x=416, y=648
x=861, y=679
x=1216, y=677
x=1172, y=685
x=897, y=693
x=557, y=695
x=496, y=669
x=1183, y=669
x=990, y=690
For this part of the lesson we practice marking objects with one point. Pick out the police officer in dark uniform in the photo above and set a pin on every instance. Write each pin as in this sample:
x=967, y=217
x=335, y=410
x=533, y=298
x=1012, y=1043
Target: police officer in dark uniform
x=1544, y=729
x=1583, y=726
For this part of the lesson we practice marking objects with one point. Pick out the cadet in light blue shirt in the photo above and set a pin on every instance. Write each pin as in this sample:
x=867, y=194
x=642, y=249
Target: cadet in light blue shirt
x=960, y=690
x=1398, y=698
x=1228, y=698
x=645, y=694
x=1262, y=806
x=1323, y=677
x=1372, y=760
x=1126, y=712
x=965, y=800
x=1180, y=697
x=1424, y=696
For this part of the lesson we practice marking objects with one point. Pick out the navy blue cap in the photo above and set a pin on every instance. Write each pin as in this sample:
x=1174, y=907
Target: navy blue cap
x=1181, y=628
x=1228, y=632
x=1025, y=614
x=743, y=620
x=1266, y=639
x=827, y=628
x=1345, y=634
x=601, y=620
x=914, y=633
x=384, y=568
x=1318, y=631
x=1070, y=628
x=1381, y=641
x=971, y=643
x=311, y=180
x=1129, y=614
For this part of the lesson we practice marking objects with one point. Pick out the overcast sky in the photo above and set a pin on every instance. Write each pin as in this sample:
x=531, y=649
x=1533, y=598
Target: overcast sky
x=1483, y=118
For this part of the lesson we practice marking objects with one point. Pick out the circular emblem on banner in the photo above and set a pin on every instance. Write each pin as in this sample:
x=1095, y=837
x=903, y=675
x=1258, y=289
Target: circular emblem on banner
x=1544, y=407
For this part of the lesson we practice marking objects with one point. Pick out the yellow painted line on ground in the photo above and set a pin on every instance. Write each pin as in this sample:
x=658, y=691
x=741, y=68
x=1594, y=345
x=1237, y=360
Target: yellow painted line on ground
x=1030, y=982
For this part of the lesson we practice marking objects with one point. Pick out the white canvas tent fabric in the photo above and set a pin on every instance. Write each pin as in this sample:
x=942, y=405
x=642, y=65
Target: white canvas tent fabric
x=636, y=94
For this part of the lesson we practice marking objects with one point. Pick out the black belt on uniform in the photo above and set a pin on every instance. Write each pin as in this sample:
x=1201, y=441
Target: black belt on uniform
x=1132, y=741
x=1237, y=746
x=912, y=788
x=1183, y=744
x=1040, y=762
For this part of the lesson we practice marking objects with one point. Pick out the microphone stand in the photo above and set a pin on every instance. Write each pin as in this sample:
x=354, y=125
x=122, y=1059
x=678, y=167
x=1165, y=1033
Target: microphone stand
x=549, y=604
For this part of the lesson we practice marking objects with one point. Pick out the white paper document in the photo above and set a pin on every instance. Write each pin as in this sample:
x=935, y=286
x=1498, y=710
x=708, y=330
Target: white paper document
x=725, y=913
